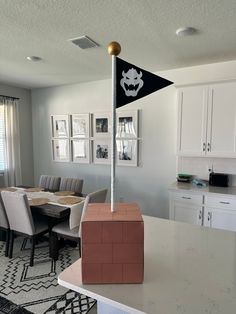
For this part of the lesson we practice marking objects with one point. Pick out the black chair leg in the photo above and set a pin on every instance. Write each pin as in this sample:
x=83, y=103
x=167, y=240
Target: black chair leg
x=33, y=240
x=79, y=244
x=11, y=243
x=53, y=246
x=7, y=242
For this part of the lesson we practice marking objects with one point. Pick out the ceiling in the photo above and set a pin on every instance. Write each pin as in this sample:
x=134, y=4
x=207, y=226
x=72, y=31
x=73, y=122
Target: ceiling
x=144, y=28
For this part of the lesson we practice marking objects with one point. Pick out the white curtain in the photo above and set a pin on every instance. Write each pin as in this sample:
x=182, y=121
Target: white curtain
x=12, y=171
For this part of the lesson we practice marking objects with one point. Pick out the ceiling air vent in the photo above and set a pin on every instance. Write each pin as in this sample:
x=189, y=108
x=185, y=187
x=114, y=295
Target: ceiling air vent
x=84, y=42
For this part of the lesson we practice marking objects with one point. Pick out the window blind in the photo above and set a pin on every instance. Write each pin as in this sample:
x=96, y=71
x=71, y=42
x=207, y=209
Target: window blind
x=2, y=138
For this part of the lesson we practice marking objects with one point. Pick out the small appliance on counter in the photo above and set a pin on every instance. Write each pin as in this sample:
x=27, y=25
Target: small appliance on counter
x=184, y=177
x=219, y=179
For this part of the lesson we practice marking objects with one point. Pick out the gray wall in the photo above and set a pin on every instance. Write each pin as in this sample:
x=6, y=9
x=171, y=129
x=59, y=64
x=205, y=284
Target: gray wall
x=25, y=122
x=148, y=184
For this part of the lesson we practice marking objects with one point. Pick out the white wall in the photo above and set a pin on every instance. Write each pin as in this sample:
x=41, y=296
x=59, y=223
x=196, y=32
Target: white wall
x=148, y=184
x=25, y=122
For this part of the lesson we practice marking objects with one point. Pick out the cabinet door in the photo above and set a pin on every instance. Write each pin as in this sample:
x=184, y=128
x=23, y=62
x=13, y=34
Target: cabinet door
x=192, y=121
x=187, y=213
x=222, y=120
x=220, y=218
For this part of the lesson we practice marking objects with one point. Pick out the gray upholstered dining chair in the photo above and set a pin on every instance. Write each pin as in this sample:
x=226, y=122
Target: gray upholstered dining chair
x=4, y=225
x=21, y=220
x=70, y=229
x=71, y=184
x=49, y=183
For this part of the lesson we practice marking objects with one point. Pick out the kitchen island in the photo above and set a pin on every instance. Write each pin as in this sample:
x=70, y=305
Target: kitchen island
x=188, y=269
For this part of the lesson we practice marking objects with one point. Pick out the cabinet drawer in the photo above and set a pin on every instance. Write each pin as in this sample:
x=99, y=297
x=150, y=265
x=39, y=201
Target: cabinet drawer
x=220, y=202
x=188, y=198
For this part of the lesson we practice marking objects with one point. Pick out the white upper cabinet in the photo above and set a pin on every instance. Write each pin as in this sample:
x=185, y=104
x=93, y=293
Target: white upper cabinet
x=207, y=120
x=222, y=120
x=192, y=124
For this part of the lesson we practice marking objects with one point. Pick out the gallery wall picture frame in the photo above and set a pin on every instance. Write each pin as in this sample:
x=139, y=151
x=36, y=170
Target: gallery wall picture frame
x=80, y=150
x=80, y=125
x=101, y=124
x=127, y=152
x=127, y=124
x=60, y=126
x=61, y=150
x=102, y=151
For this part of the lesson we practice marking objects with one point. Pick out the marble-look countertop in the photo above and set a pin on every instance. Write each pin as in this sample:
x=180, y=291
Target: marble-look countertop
x=179, y=186
x=188, y=270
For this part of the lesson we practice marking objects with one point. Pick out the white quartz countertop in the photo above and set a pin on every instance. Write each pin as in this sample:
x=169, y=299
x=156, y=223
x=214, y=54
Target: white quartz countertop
x=178, y=186
x=188, y=269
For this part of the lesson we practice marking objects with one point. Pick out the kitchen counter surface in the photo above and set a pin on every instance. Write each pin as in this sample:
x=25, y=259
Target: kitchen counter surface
x=178, y=186
x=188, y=269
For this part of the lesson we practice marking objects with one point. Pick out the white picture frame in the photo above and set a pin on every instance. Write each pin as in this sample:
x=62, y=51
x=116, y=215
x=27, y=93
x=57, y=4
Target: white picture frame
x=127, y=152
x=80, y=125
x=102, y=151
x=60, y=126
x=61, y=150
x=80, y=151
x=127, y=124
x=101, y=124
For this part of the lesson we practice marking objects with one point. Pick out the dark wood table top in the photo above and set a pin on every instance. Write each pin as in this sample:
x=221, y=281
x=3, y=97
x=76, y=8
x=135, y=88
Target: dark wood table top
x=51, y=210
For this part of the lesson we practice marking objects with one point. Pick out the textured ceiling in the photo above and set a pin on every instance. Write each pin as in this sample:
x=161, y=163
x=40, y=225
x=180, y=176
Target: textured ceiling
x=144, y=28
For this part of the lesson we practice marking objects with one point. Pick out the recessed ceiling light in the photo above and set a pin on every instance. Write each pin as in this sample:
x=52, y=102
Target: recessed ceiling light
x=186, y=31
x=34, y=58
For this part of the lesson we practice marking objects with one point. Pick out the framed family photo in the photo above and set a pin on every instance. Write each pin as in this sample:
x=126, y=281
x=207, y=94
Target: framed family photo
x=101, y=124
x=60, y=126
x=127, y=124
x=80, y=125
x=102, y=151
x=61, y=150
x=127, y=152
x=80, y=151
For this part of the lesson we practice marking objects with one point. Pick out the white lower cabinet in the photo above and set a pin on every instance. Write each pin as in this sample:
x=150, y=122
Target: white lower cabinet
x=205, y=210
x=186, y=207
x=220, y=213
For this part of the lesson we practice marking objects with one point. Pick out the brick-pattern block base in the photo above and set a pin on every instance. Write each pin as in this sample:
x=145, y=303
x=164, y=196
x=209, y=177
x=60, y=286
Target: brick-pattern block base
x=112, y=244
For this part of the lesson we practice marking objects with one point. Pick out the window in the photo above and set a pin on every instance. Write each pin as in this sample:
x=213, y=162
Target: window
x=2, y=139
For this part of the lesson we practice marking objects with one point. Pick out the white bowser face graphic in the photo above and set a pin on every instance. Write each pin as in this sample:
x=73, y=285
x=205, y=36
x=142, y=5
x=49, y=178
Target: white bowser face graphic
x=131, y=82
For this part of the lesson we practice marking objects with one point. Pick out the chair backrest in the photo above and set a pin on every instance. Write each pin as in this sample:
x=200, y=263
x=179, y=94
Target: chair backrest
x=18, y=212
x=70, y=184
x=98, y=196
x=76, y=214
x=50, y=183
x=3, y=216
x=86, y=201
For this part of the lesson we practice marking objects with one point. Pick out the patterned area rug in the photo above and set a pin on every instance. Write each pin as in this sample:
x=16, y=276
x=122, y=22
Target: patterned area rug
x=35, y=288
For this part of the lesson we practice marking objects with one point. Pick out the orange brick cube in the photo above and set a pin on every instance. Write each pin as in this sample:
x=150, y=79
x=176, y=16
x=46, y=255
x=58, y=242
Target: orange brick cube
x=112, y=244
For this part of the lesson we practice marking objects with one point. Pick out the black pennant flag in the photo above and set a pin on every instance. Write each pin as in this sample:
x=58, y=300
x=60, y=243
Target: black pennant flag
x=133, y=83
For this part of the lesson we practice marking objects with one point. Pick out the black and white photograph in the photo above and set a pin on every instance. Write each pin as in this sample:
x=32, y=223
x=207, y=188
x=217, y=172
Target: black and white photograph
x=80, y=125
x=80, y=151
x=60, y=126
x=60, y=149
x=102, y=151
x=126, y=152
x=127, y=124
x=101, y=125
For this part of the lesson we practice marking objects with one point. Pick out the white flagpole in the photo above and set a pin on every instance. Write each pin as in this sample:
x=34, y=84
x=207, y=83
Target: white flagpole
x=113, y=49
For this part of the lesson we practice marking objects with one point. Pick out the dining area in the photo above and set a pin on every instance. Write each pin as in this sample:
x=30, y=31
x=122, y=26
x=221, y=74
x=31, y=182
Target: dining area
x=50, y=212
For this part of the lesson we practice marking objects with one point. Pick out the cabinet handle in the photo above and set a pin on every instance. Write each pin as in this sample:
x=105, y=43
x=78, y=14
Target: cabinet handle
x=208, y=147
x=186, y=198
x=225, y=202
x=200, y=215
x=204, y=147
x=209, y=216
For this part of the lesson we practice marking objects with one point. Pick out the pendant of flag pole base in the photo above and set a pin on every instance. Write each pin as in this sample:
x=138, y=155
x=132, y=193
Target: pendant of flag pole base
x=114, y=48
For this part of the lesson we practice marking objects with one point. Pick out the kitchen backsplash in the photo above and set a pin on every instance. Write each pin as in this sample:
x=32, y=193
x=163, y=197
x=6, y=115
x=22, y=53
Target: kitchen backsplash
x=199, y=166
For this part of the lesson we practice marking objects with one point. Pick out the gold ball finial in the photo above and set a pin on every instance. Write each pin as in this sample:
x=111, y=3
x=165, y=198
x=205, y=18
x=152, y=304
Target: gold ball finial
x=114, y=48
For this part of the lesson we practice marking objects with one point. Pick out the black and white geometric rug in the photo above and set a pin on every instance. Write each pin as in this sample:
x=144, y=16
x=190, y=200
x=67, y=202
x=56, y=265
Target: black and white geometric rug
x=36, y=288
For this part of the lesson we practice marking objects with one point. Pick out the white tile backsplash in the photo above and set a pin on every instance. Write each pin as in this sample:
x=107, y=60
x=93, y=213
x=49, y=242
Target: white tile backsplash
x=199, y=166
